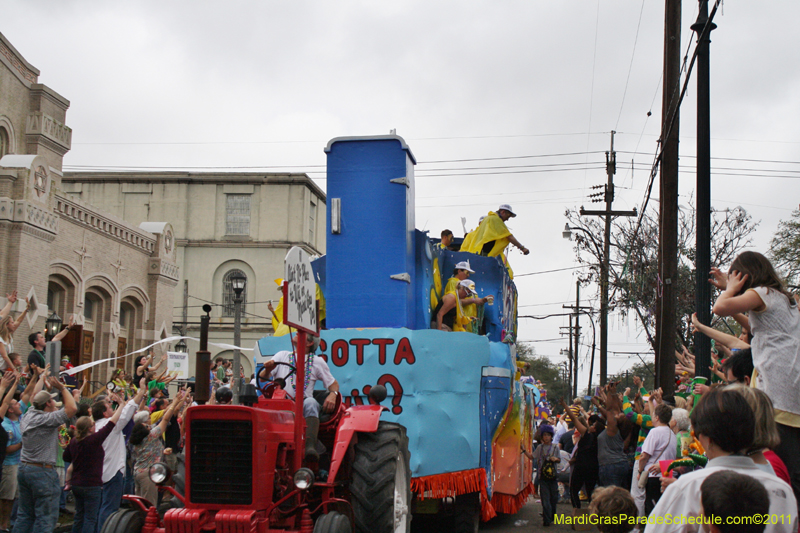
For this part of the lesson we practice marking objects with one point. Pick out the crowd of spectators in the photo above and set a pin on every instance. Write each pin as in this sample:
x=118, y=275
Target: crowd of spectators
x=724, y=447
x=58, y=439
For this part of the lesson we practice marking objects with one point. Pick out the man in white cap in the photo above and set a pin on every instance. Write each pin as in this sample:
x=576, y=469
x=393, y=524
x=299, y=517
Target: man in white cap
x=461, y=272
x=39, y=487
x=450, y=314
x=492, y=236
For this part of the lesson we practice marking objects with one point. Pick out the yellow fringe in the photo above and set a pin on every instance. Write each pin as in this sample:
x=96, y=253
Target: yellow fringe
x=455, y=484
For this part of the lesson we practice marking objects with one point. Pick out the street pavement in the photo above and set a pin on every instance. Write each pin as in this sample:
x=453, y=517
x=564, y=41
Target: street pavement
x=527, y=519
x=530, y=514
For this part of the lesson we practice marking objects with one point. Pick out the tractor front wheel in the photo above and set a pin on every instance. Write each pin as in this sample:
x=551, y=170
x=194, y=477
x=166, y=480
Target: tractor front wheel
x=381, y=485
x=333, y=522
x=124, y=521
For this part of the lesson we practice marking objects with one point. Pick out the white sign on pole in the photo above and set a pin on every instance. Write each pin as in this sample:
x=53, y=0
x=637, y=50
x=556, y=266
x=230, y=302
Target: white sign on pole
x=300, y=303
x=178, y=363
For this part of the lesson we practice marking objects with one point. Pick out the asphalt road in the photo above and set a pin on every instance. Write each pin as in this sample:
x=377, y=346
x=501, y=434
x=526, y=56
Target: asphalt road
x=530, y=513
x=526, y=520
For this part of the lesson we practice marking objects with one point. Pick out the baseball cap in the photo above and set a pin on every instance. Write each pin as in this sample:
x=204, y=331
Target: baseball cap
x=507, y=208
x=42, y=397
x=469, y=285
x=464, y=265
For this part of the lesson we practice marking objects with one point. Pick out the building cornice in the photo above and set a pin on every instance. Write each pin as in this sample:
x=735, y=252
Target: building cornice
x=27, y=73
x=187, y=243
x=77, y=212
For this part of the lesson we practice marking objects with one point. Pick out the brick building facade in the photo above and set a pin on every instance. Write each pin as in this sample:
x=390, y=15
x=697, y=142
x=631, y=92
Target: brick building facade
x=67, y=256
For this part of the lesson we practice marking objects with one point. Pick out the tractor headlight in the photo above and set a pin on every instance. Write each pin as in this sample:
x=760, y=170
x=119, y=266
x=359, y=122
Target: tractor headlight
x=303, y=479
x=159, y=473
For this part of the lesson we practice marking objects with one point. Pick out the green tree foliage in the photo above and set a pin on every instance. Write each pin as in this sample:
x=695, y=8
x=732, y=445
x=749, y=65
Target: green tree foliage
x=644, y=371
x=784, y=249
x=551, y=374
x=633, y=275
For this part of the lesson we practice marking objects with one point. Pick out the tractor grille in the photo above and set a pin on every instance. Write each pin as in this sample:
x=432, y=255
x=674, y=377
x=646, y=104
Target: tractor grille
x=221, y=463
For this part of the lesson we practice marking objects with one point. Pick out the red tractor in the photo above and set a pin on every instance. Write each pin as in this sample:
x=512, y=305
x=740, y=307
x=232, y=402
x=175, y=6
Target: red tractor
x=245, y=471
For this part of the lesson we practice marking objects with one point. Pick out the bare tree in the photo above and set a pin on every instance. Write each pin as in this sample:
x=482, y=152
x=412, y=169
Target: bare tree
x=784, y=249
x=634, y=283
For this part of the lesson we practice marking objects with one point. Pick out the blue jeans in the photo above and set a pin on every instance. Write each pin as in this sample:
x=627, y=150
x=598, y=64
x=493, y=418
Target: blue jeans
x=616, y=474
x=549, y=493
x=62, y=502
x=87, y=507
x=112, y=498
x=39, y=491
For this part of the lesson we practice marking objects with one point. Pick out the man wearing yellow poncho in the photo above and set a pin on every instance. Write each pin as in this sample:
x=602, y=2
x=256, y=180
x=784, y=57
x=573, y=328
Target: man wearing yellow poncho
x=279, y=328
x=449, y=314
x=461, y=272
x=491, y=237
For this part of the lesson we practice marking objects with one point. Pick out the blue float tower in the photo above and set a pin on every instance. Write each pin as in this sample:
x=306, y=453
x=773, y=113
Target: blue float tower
x=370, y=266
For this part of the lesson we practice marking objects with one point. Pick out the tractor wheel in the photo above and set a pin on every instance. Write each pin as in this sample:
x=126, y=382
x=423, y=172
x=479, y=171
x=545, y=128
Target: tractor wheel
x=381, y=485
x=333, y=522
x=467, y=518
x=124, y=521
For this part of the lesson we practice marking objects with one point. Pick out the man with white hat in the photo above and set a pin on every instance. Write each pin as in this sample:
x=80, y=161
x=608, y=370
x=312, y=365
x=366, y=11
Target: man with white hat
x=461, y=272
x=492, y=236
x=39, y=487
x=450, y=314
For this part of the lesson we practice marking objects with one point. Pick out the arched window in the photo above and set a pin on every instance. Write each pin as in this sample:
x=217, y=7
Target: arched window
x=227, y=291
x=5, y=142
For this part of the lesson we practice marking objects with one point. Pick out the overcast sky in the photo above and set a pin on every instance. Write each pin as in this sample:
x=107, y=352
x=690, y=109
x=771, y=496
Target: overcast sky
x=263, y=85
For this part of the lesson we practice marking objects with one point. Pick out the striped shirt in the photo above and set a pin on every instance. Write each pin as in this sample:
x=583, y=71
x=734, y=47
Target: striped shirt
x=644, y=422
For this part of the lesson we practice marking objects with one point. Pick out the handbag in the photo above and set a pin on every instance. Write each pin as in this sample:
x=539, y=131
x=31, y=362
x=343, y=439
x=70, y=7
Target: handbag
x=646, y=472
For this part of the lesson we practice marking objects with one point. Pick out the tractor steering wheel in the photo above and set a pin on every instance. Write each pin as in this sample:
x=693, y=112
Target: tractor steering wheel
x=268, y=387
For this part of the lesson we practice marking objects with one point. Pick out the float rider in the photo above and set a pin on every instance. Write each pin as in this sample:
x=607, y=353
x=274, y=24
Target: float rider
x=492, y=236
x=316, y=369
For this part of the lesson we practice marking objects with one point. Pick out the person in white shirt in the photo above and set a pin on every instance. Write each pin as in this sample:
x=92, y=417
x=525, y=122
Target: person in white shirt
x=724, y=424
x=660, y=445
x=114, y=448
x=282, y=366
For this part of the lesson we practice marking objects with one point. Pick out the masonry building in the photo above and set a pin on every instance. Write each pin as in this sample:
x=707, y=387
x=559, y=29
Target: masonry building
x=66, y=255
x=225, y=224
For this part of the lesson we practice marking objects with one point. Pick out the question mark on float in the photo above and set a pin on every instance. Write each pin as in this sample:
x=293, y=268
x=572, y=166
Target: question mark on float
x=397, y=390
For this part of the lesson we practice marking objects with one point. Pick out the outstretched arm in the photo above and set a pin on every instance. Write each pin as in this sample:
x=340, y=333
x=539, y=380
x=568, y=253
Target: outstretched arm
x=723, y=338
x=513, y=240
x=63, y=333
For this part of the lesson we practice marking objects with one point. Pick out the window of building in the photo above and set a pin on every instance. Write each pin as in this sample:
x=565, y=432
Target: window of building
x=237, y=221
x=88, y=309
x=5, y=142
x=312, y=221
x=228, y=294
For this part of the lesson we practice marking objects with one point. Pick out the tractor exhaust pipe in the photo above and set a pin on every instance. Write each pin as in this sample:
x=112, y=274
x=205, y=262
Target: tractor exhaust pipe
x=203, y=362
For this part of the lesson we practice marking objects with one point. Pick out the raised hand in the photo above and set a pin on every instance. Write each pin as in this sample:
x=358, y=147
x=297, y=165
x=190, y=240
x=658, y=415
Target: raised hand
x=718, y=279
x=8, y=379
x=12, y=297
x=735, y=282
x=637, y=382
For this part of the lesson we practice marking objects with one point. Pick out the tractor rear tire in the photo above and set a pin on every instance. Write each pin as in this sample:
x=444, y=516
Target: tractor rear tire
x=381, y=485
x=124, y=521
x=467, y=518
x=333, y=522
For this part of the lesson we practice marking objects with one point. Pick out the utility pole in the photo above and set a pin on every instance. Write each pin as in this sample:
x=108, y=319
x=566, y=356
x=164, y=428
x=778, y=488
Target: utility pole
x=668, y=216
x=576, y=331
x=577, y=336
x=703, y=262
x=605, y=264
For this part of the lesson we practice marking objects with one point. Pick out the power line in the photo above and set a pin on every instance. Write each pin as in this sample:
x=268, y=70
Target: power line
x=630, y=67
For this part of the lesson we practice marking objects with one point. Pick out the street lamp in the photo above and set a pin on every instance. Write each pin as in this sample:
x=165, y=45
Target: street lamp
x=604, y=269
x=238, y=282
x=180, y=347
x=52, y=325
